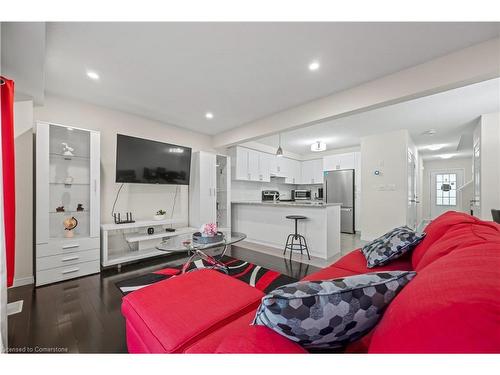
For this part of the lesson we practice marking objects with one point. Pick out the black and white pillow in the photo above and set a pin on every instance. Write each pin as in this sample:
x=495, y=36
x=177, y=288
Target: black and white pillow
x=391, y=246
x=330, y=313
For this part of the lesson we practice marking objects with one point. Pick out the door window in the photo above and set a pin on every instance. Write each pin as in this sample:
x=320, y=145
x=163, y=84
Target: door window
x=446, y=189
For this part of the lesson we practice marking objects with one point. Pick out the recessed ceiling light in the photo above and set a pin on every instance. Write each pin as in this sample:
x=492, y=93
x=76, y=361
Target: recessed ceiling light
x=446, y=156
x=92, y=75
x=318, y=146
x=314, y=66
x=209, y=115
x=434, y=147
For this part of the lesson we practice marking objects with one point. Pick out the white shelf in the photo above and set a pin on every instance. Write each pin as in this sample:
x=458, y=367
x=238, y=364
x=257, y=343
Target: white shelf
x=73, y=183
x=68, y=157
x=136, y=237
x=139, y=224
x=130, y=256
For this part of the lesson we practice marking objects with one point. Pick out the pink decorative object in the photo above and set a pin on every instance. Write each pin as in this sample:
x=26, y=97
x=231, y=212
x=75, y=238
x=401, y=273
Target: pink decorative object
x=208, y=230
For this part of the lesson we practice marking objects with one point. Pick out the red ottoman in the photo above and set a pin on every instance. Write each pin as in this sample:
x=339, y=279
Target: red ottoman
x=172, y=315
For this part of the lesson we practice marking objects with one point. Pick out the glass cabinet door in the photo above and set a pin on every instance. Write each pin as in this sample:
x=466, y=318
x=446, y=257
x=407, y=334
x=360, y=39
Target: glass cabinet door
x=69, y=182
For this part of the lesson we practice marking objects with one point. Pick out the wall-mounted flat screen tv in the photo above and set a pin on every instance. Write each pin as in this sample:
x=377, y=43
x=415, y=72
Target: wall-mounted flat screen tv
x=150, y=162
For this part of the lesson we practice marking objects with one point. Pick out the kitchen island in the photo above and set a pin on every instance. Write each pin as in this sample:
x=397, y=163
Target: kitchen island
x=265, y=223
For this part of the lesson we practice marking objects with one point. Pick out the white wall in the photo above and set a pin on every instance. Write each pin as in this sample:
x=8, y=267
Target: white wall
x=490, y=163
x=142, y=199
x=384, y=197
x=23, y=132
x=444, y=164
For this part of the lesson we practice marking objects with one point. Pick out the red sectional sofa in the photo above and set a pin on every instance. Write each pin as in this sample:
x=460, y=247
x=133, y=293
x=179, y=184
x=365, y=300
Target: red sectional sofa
x=451, y=306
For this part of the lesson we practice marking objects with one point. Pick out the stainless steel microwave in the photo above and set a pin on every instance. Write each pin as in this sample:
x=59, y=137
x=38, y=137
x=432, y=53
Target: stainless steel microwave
x=301, y=195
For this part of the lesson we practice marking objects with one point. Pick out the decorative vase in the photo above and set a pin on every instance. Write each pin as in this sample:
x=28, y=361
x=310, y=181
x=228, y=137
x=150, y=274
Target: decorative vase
x=160, y=217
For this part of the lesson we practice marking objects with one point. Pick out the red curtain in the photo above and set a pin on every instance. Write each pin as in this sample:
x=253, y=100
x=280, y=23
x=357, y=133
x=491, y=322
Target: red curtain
x=9, y=194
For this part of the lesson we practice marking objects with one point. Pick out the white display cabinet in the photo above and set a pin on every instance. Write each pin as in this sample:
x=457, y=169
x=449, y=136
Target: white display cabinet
x=67, y=194
x=210, y=190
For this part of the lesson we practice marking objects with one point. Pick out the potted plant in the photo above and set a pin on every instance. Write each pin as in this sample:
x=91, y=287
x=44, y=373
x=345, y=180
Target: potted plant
x=160, y=215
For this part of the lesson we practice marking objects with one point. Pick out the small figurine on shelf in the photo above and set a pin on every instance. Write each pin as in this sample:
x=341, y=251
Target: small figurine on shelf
x=70, y=223
x=60, y=209
x=67, y=150
x=79, y=207
x=160, y=215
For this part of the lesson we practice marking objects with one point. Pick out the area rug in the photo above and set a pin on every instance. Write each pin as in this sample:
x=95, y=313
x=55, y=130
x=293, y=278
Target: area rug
x=256, y=276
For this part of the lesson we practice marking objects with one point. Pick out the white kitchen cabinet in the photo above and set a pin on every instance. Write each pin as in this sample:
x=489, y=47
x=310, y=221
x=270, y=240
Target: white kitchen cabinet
x=339, y=161
x=265, y=160
x=240, y=160
x=307, y=175
x=277, y=166
x=281, y=166
x=253, y=165
x=67, y=189
x=209, y=190
x=318, y=172
x=292, y=172
x=312, y=172
x=273, y=165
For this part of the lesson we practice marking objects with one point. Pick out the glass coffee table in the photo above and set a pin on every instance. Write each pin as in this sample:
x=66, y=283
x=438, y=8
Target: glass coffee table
x=184, y=243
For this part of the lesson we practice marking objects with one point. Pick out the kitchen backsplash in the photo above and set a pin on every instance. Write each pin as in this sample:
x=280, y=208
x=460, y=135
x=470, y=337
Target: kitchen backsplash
x=252, y=191
x=313, y=188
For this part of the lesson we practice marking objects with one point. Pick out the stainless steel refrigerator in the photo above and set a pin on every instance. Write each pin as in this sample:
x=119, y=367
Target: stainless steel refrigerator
x=339, y=188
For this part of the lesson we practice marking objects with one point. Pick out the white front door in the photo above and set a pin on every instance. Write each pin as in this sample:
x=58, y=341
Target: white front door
x=445, y=195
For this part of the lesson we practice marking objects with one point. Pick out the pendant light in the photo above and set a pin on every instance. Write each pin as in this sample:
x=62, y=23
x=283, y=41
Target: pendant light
x=279, y=151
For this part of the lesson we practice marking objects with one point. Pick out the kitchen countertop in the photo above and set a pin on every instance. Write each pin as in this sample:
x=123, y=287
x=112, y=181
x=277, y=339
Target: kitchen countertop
x=311, y=204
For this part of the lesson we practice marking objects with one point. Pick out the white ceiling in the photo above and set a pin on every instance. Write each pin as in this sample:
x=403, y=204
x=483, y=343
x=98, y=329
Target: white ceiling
x=452, y=113
x=24, y=65
x=175, y=72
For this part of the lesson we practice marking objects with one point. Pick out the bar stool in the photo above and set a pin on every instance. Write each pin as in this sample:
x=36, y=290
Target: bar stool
x=290, y=240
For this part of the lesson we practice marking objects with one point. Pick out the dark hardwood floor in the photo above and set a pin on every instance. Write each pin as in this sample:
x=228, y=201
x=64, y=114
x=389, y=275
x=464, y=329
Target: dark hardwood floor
x=83, y=315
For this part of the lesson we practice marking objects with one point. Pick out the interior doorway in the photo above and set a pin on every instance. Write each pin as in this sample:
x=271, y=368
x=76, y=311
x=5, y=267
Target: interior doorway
x=411, y=217
x=444, y=191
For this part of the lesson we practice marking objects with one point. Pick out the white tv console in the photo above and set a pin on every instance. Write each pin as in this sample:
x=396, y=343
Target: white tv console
x=122, y=243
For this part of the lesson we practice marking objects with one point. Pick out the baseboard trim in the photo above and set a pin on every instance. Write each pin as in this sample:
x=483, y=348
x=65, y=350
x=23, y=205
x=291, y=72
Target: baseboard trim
x=23, y=281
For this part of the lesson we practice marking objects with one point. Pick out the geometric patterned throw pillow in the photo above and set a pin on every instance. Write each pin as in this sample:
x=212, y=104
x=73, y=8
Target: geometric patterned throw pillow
x=391, y=246
x=330, y=313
